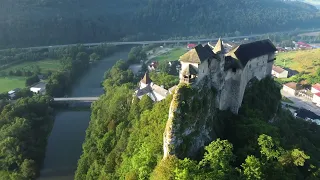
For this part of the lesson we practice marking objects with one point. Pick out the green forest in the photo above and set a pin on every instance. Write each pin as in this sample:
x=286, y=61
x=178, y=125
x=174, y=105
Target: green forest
x=48, y=22
x=24, y=129
x=125, y=138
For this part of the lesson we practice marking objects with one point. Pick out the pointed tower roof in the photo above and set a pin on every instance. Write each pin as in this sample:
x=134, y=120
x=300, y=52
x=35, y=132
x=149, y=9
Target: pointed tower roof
x=219, y=47
x=146, y=79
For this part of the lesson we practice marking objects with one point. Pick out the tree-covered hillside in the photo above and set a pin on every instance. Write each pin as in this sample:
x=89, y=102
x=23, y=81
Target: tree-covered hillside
x=125, y=137
x=40, y=22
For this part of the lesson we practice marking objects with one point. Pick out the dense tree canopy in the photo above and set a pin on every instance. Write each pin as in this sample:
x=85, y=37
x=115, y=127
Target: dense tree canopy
x=125, y=138
x=24, y=128
x=35, y=22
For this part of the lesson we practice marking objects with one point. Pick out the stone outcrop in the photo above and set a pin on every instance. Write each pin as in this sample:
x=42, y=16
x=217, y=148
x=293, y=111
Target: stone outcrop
x=192, y=121
x=219, y=84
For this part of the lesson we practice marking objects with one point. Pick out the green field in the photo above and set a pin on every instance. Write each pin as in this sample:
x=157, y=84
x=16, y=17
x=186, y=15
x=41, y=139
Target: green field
x=44, y=65
x=308, y=60
x=171, y=55
x=9, y=83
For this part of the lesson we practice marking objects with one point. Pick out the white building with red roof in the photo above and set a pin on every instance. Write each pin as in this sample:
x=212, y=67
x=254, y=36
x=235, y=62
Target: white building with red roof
x=290, y=88
x=278, y=72
x=316, y=98
x=315, y=88
x=191, y=46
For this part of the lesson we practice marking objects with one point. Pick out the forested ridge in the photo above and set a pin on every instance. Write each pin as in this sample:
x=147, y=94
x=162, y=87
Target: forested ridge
x=125, y=137
x=47, y=22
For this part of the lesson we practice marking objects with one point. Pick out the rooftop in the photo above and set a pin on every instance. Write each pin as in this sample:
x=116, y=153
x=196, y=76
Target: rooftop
x=277, y=69
x=246, y=52
x=219, y=47
x=41, y=85
x=291, y=85
x=198, y=54
x=316, y=86
x=160, y=90
x=304, y=113
x=146, y=79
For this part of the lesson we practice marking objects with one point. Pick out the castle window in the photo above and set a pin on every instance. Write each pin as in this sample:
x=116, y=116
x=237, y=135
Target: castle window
x=234, y=70
x=250, y=66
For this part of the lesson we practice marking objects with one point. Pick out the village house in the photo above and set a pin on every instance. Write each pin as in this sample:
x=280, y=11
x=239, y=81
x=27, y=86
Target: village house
x=316, y=98
x=278, y=72
x=39, y=88
x=153, y=66
x=315, y=88
x=190, y=46
x=13, y=92
x=147, y=87
x=290, y=88
x=229, y=72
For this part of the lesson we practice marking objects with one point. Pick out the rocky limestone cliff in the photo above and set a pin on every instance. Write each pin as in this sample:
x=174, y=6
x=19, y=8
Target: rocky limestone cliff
x=193, y=121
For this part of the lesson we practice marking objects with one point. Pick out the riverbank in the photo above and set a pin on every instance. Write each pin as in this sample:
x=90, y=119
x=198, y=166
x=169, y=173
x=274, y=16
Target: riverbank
x=68, y=133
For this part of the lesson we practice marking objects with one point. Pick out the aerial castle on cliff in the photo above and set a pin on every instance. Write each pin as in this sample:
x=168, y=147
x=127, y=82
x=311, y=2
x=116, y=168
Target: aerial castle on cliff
x=218, y=79
x=229, y=72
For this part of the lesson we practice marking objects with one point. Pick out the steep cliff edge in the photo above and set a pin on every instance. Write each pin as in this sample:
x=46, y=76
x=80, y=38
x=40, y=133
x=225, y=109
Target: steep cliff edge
x=193, y=121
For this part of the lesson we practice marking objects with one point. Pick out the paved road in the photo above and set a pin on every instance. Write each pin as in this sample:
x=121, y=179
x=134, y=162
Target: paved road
x=82, y=99
x=144, y=42
x=302, y=103
x=163, y=41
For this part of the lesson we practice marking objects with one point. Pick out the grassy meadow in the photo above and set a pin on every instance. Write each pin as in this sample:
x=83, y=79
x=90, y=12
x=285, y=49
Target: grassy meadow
x=171, y=55
x=307, y=60
x=11, y=82
x=44, y=65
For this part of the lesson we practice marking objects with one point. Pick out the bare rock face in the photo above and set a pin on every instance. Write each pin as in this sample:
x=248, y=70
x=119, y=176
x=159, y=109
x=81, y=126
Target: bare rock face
x=192, y=122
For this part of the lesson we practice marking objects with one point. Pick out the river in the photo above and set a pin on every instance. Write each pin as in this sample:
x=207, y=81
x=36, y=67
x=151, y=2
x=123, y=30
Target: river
x=65, y=141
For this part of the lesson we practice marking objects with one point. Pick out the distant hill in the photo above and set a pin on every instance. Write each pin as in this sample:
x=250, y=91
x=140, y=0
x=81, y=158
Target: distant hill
x=44, y=22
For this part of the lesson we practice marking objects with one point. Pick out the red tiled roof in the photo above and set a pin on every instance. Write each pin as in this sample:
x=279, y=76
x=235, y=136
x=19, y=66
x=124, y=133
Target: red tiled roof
x=277, y=69
x=291, y=85
x=316, y=86
x=191, y=45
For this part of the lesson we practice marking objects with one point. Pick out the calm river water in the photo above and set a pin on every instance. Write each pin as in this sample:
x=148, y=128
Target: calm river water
x=65, y=142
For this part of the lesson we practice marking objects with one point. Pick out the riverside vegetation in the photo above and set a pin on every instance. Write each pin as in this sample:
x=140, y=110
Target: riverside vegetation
x=125, y=137
x=24, y=129
x=64, y=67
x=26, y=123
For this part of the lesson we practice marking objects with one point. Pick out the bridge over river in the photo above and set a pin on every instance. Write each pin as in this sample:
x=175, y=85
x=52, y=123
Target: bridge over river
x=75, y=99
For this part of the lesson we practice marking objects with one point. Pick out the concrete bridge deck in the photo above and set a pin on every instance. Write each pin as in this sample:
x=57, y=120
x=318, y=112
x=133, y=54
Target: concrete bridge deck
x=76, y=99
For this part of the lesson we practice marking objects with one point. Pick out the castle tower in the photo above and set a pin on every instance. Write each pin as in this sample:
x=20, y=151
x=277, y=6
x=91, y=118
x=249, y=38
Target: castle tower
x=218, y=48
x=145, y=81
x=189, y=74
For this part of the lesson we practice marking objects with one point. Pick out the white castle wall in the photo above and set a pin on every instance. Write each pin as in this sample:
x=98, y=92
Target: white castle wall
x=231, y=85
x=238, y=81
x=185, y=65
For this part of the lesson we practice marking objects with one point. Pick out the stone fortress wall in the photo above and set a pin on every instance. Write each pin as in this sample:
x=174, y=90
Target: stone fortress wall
x=231, y=81
x=208, y=68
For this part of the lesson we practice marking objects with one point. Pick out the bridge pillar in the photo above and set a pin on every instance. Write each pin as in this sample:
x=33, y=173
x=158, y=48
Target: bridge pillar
x=164, y=44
